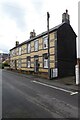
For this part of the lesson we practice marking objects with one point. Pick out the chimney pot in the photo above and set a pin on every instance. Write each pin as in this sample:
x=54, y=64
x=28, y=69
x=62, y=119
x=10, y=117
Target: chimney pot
x=66, y=11
x=32, y=34
x=66, y=17
x=17, y=43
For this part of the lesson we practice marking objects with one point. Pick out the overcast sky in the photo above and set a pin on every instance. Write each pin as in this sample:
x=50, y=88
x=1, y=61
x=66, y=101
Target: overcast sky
x=19, y=17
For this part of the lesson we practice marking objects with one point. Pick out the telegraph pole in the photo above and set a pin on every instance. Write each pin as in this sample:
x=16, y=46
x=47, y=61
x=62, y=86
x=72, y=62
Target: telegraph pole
x=48, y=16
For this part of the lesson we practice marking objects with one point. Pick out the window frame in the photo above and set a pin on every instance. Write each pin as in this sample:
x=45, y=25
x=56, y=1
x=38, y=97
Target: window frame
x=36, y=48
x=28, y=60
x=19, y=51
x=28, y=45
x=44, y=39
x=11, y=55
x=45, y=59
x=19, y=63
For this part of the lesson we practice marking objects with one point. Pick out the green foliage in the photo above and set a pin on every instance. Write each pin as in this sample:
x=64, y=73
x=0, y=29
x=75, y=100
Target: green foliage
x=5, y=64
x=1, y=66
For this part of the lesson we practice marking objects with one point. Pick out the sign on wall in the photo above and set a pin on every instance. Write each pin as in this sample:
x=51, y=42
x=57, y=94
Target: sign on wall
x=54, y=73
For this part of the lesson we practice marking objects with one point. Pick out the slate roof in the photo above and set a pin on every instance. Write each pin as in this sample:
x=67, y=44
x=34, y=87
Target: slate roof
x=40, y=35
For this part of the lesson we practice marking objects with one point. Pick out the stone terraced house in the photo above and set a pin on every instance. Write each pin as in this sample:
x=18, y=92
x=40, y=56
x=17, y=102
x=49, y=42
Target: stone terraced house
x=31, y=56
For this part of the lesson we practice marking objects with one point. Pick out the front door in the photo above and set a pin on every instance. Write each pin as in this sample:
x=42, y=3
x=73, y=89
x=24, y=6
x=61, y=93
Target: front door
x=15, y=64
x=36, y=68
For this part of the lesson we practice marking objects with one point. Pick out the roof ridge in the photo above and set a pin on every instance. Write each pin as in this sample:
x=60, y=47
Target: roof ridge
x=39, y=35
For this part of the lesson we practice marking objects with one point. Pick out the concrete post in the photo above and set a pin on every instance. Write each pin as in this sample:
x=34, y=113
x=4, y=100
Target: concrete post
x=48, y=16
x=77, y=74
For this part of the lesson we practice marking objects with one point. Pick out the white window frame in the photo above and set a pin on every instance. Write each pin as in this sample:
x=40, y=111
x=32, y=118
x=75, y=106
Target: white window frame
x=45, y=42
x=19, y=63
x=45, y=60
x=28, y=48
x=45, y=63
x=36, y=45
x=28, y=62
x=19, y=50
x=23, y=49
x=17, y=53
x=12, y=54
x=12, y=63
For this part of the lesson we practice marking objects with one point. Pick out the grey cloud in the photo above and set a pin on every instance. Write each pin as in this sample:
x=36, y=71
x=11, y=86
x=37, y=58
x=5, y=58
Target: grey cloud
x=4, y=48
x=15, y=12
x=38, y=4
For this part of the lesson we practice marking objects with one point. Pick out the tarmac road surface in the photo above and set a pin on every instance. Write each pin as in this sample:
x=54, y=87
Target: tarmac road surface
x=23, y=97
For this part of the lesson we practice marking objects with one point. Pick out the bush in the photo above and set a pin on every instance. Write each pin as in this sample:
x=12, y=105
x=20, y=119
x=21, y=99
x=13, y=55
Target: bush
x=1, y=66
x=5, y=64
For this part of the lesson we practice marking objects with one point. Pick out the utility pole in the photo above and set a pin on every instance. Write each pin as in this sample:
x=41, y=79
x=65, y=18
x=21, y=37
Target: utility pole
x=48, y=16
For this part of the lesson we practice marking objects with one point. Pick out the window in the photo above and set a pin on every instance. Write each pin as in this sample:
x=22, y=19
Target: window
x=28, y=62
x=55, y=35
x=20, y=51
x=19, y=63
x=45, y=42
x=45, y=61
x=36, y=45
x=23, y=49
x=12, y=53
x=12, y=63
x=17, y=51
x=28, y=48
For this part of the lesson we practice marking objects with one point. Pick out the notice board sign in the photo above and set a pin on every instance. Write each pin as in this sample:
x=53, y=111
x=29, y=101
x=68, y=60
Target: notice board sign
x=55, y=72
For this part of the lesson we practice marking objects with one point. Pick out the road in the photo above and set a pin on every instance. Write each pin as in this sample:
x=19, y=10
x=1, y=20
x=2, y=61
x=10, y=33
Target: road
x=24, y=97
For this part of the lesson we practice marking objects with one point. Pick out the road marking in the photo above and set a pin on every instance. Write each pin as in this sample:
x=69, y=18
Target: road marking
x=73, y=93
x=54, y=87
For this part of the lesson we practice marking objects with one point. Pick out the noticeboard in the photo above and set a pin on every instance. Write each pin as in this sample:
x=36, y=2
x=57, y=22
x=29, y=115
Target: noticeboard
x=55, y=72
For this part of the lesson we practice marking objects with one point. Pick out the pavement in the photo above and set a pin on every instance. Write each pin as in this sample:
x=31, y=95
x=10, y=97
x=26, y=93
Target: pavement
x=65, y=83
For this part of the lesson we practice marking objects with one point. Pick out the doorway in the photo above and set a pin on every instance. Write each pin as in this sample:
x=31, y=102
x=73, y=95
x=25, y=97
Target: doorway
x=15, y=65
x=36, y=64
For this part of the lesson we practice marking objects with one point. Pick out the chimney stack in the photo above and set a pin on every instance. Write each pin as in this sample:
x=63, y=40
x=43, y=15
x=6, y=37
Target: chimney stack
x=32, y=34
x=66, y=17
x=17, y=43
